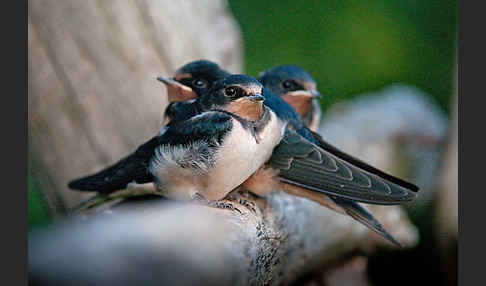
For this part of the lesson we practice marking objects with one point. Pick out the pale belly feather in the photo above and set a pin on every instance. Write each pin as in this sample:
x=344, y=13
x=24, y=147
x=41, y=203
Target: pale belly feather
x=238, y=157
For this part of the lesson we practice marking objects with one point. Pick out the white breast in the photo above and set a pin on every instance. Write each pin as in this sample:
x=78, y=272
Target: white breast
x=238, y=157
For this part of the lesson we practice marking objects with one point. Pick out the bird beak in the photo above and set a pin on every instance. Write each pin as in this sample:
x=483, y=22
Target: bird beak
x=256, y=97
x=304, y=93
x=167, y=80
x=176, y=90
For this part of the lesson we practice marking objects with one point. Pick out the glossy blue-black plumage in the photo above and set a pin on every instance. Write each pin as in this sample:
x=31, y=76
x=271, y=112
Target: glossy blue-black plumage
x=204, y=69
x=272, y=77
x=285, y=79
x=285, y=112
x=213, y=127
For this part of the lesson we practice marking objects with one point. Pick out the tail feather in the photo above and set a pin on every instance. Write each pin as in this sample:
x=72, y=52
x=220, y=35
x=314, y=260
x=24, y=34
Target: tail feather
x=360, y=214
x=358, y=163
x=113, y=178
x=342, y=206
x=133, y=168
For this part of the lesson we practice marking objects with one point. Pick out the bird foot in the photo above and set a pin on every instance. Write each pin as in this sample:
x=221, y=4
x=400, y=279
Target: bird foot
x=222, y=204
x=246, y=203
x=242, y=198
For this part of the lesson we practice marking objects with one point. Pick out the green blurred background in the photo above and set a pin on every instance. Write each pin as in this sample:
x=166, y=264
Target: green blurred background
x=348, y=46
x=354, y=46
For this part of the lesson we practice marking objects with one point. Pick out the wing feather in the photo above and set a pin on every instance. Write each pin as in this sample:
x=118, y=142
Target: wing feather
x=307, y=165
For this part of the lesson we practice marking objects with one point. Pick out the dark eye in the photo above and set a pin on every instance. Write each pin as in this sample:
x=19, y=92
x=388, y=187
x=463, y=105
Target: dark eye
x=230, y=91
x=200, y=82
x=288, y=84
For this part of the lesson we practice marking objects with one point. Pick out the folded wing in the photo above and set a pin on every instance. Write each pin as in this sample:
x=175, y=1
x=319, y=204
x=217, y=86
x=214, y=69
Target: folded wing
x=304, y=164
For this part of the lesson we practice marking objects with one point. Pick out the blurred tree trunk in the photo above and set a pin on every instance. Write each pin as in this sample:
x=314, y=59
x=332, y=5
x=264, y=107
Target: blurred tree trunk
x=93, y=97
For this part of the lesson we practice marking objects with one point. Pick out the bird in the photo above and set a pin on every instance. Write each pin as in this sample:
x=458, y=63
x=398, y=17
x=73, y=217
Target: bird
x=206, y=156
x=189, y=81
x=298, y=88
x=303, y=164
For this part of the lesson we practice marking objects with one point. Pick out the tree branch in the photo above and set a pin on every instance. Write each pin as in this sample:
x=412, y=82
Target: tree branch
x=167, y=242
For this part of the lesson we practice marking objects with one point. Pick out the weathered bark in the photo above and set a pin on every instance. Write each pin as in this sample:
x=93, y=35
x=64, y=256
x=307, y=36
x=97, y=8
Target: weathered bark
x=184, y=244
x=93, y=97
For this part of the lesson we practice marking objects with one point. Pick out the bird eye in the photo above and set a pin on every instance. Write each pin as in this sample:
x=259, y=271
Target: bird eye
x=230, y=91
x=200, y=82
x=287, y=84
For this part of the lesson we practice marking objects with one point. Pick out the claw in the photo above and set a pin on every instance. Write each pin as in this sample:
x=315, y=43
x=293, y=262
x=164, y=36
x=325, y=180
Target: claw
x=242, y=201
x=224, y=205
x=248, y=204
x=197, y=197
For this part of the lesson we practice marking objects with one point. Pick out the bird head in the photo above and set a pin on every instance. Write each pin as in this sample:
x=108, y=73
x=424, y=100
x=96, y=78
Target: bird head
x=293, y=84
x=192, y=80
x=238, y=94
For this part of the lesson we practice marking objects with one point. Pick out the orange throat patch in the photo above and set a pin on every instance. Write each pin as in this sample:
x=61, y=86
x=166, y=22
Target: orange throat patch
x=180, y=93
x=247, y=109
x=300, y=103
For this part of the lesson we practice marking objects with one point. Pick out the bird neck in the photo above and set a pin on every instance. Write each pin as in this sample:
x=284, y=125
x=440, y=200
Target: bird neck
x=301, y=104
x=246, y=109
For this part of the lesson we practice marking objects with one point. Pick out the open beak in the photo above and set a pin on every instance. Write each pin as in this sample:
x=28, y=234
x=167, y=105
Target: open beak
x=176, y=90
x=256, y=97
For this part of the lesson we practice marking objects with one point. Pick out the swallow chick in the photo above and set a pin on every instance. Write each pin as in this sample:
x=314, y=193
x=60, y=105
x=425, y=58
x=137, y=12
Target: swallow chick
x=188, y=82
x=297, y=87
x=206, y=156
